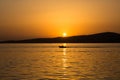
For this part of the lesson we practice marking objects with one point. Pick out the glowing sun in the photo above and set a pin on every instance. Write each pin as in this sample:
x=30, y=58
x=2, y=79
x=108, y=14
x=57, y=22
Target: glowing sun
x=64, y=34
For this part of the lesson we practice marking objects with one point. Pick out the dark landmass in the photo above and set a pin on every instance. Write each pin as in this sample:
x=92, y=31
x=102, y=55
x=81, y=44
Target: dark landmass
x=106, y=37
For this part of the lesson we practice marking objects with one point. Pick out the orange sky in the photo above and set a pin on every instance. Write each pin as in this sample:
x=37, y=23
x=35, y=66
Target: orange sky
x=23, y=19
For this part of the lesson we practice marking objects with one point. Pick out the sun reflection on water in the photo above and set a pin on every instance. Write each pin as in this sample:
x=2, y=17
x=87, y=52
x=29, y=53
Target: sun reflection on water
x=64, y=59
x=64, y=44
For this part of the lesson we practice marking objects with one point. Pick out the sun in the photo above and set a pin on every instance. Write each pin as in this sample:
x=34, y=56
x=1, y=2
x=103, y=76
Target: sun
x=64, y=34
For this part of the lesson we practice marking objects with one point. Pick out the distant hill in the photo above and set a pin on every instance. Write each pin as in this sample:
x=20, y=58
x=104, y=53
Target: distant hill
x=106, y=37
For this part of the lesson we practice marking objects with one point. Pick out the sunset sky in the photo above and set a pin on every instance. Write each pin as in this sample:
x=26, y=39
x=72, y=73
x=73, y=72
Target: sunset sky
x=25, y=19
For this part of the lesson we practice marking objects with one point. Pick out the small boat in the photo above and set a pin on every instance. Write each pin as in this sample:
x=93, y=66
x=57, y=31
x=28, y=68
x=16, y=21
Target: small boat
x=62, y=47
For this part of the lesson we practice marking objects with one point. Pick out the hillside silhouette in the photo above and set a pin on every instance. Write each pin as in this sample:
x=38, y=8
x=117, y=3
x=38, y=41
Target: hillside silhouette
x=105, y=37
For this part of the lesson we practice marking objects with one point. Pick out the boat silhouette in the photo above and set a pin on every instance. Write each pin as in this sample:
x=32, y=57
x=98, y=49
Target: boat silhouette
x=62, y=46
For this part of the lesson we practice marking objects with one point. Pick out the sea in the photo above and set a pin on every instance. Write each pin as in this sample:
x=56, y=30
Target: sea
x=46, y=61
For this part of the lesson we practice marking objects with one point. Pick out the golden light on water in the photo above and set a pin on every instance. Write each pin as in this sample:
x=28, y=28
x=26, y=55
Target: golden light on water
x=64, y=59
x=64, y=44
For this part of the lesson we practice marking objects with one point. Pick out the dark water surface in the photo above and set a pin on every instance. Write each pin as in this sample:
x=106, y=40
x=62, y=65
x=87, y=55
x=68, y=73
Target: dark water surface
x=48, y=62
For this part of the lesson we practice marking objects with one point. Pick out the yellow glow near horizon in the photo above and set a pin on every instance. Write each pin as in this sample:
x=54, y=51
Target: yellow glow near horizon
x=54, y=18
x=64, y=34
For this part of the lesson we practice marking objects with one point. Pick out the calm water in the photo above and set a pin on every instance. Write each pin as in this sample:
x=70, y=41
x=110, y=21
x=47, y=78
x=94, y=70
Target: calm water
x=48, y=62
